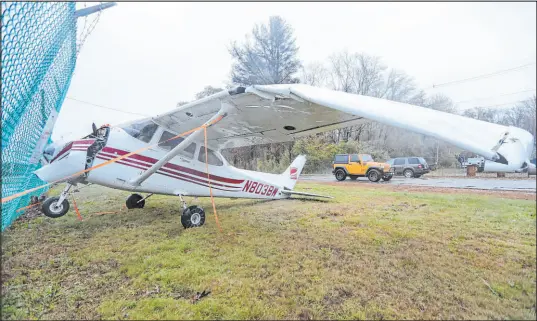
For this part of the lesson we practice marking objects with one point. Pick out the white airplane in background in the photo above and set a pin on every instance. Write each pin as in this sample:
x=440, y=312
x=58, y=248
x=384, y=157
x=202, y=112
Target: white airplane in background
x=251, y=116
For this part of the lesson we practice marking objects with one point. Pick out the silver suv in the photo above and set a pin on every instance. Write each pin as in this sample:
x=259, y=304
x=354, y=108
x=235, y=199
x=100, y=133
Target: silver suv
x=409, y=166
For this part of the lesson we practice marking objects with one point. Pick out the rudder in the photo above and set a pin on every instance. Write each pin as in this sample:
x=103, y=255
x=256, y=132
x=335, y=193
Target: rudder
x=292, y=173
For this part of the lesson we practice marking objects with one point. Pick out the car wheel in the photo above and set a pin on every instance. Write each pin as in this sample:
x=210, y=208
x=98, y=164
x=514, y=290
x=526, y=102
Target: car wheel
x=374, y=175
x=408, y=173
x=340, y=175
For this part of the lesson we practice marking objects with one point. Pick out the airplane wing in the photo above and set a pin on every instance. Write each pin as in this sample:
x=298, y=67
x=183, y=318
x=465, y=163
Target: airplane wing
x=277, y=113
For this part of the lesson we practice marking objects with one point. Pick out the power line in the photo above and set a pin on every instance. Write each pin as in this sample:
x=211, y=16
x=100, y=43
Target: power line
x=100, y=106
x=483, y=76
x=477, y=99
x=504, y=104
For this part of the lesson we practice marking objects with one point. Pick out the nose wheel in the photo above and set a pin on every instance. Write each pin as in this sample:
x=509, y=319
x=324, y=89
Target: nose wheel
x=55, y=207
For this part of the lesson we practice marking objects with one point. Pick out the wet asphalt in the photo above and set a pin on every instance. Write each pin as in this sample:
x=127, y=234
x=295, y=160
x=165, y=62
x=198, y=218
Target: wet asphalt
x=523, y=185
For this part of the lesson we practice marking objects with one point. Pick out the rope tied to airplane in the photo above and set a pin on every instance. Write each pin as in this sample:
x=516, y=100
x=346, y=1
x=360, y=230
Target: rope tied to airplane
x=113, y=160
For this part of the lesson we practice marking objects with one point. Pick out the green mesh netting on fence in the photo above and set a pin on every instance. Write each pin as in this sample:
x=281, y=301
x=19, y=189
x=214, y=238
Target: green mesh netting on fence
x=38, y=60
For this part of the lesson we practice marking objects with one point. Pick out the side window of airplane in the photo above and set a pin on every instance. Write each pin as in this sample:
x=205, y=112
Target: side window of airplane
x=167, y=144
x=212, y=158
x=143, y=131
x=189, y=151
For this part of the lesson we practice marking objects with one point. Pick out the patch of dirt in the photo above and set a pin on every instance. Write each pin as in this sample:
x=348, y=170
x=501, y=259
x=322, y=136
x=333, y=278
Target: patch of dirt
x=444, y=190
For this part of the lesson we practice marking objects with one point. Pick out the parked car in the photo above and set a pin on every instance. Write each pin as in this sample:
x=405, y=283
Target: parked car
x=409, y=166
x=360, y=165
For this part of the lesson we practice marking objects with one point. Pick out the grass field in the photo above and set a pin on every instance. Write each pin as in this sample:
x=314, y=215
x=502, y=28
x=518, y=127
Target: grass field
x=370, y=253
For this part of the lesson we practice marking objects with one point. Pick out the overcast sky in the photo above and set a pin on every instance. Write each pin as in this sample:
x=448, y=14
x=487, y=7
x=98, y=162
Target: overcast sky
x=146, y=57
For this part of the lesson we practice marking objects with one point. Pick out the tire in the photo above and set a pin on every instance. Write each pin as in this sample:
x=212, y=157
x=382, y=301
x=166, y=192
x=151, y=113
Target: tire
x=408, y=173
x=132, y=201
x=193, y=216
x=340, y=175
x=417, y=176
x=51, y=209
x=353, y=178
x=374, y=175
x=387, y=178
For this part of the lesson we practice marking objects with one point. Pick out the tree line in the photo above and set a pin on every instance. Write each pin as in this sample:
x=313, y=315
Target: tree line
x=269, y=55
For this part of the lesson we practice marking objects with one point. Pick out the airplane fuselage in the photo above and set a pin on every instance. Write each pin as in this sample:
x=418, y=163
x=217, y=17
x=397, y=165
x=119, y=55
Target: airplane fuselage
x=182, y=175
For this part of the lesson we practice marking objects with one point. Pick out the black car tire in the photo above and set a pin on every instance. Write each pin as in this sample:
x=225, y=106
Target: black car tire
x=374, y=175
x=408, y=173
x=340, y=175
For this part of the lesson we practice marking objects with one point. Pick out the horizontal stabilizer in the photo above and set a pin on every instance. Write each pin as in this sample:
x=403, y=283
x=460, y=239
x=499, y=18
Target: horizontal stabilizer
x=305, y=194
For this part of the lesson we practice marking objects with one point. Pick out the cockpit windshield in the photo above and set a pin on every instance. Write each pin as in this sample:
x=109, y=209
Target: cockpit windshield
x=142, y=130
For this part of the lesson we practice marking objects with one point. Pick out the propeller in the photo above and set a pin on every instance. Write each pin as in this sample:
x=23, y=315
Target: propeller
x=94, y=127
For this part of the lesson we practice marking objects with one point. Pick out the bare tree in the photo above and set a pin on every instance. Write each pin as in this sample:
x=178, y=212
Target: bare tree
x=314, y=74
x=267, y=56
x=207, y=91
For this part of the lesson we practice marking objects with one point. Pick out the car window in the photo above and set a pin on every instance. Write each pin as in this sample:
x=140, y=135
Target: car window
x=212, y=158
x=367, y=158
x=422, y=161
x=413, y=161
x=399, y=161
x=341, y=159
x=354, y=158
x=389, y=161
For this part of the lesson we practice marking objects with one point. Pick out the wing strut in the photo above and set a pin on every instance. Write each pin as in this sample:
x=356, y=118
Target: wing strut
x=171, y=154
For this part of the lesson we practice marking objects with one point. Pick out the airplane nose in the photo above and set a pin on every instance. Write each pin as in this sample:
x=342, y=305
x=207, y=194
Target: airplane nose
x=44, y=173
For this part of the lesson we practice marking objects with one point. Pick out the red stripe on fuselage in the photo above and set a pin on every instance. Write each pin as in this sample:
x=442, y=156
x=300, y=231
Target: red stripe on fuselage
x=63, y=151
x=171, y=174
x=177, y=173
x=119, y=152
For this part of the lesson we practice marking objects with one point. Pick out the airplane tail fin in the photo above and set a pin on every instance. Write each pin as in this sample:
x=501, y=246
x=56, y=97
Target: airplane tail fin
x=291, y=174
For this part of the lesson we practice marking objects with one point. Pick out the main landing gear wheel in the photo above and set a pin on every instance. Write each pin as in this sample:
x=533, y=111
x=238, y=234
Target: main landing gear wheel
x=135, y=201
x=52, y=209
x=193, y=216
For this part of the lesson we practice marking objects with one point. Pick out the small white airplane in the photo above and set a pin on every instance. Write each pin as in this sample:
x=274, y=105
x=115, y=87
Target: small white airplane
x=251, y=116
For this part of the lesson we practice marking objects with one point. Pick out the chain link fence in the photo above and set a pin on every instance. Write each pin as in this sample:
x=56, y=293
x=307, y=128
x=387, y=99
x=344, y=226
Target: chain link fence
x=39, y=51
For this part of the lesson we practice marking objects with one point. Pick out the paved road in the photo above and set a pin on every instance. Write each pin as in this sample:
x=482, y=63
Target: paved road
x=525, y=185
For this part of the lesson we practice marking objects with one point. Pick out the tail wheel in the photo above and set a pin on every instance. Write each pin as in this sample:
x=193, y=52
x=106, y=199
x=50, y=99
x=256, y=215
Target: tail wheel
x=340, y=175
x=374, y=175
x=408, y=173
x=193, y=216
x=134, y=201
x=51, y=208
